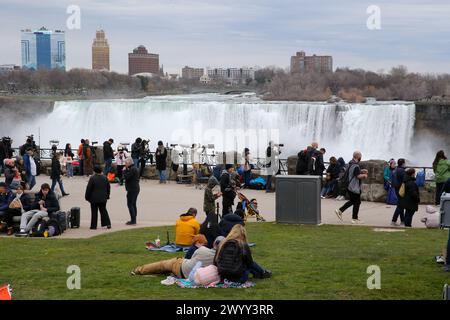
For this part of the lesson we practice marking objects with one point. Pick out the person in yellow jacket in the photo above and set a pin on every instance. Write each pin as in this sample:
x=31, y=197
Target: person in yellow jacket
x=186, y=228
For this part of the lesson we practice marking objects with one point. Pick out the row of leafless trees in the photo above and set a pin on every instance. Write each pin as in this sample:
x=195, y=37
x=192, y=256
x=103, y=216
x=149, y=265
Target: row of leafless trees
x=352, y=84
x=62, y=82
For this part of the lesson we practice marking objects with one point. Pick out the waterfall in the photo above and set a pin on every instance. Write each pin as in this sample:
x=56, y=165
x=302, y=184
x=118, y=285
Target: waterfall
x=379, y=130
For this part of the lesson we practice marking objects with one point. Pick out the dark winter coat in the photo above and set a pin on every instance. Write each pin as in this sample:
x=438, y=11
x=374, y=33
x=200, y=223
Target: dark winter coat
x=56, y=169
x=98, y=189
x=411, y=199
x=108, y=152
x=161, y=157
x=5, y=200
x=51, y=202
x=131, y=176
x=228, y=222
x=226, y=185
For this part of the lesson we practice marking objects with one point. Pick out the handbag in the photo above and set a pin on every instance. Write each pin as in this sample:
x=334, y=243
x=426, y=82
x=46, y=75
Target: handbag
x=15, y=204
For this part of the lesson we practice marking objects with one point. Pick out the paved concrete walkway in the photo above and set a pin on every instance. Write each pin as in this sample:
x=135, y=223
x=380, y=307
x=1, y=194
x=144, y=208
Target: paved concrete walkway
x=161, y=204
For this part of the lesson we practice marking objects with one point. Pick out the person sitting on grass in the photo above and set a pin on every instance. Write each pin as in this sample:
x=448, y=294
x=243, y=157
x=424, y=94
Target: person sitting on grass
x=186, y=228
x=230, y=220
x=45, y=203
x=234, y=259
x=18, y=206
x=199, y=241
x=180, y=267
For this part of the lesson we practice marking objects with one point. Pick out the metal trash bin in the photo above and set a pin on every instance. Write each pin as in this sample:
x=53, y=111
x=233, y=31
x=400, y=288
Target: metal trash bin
x=298, y=199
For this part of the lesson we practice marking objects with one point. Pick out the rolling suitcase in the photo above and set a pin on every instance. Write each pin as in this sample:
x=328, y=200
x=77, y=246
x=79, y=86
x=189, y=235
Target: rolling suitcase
x=445, y=210
x=75, y=217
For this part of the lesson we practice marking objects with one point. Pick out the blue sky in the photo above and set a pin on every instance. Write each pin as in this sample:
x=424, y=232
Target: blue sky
x=208, y=33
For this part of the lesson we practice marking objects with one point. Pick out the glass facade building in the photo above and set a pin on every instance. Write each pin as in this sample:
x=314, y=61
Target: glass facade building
x=43, y=49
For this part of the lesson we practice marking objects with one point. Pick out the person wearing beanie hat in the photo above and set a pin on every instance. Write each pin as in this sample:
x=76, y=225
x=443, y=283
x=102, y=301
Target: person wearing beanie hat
x=227, y=187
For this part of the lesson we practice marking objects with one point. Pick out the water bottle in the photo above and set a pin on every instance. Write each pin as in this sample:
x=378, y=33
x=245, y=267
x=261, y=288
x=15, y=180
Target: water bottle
x=158, y=242
x=46, y=234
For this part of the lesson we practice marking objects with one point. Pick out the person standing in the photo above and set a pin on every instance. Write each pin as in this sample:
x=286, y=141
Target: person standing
x=55, y=174
x=355, y=177
x=81, y=156
x=88, y=159
x=30, y=168
x=136, y=151
x=131, y=176
x=397, y=179
x=108, y=155
x=441, y=169
x=227, y=188
x=247, y=167
x=161, y=161
x=97, y=194
x=411, y=199
x=121, y=157
x=68, y=159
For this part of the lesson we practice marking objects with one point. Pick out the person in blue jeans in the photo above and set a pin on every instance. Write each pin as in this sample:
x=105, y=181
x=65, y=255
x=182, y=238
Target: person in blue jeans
x=30, y=168
x=55, y=174
x=108, y=155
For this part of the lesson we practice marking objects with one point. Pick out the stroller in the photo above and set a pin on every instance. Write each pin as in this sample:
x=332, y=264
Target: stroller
x=250, y=208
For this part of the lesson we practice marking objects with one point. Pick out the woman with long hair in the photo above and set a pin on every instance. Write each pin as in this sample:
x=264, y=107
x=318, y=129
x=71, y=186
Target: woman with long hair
x=234, y=259
x=68, y=159
x=441, y=169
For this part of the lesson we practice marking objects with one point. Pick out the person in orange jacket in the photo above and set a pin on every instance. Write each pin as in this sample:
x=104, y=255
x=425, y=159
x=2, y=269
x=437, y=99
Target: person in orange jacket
x=186, y=228
x=80, y=157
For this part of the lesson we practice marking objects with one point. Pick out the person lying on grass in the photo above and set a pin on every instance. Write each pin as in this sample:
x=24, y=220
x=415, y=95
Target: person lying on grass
x=180, y=267
x=234, y=259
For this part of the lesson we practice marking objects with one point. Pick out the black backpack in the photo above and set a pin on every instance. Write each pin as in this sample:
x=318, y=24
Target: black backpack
x=55, y=224
x=302, y=163
x=230, y=262
x=62, y=218
x=39, y=228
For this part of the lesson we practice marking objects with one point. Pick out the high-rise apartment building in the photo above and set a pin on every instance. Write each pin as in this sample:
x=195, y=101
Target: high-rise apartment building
x=192, y=73
x=43, y=49
x=100, y=52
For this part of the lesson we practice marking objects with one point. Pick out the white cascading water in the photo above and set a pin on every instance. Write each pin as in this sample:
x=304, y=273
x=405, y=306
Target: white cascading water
x=379, y=130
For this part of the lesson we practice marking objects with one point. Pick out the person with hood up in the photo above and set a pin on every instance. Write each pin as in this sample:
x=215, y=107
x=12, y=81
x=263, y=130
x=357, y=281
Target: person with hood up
x=209, y=199
x=230, y=220
x=186, y=228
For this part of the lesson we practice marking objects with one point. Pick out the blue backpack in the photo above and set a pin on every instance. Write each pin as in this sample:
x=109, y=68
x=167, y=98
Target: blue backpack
x=420, y=178
x=258, y=183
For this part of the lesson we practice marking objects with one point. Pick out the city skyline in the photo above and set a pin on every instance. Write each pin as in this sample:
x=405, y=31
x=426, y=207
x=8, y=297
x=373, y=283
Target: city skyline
x=245, y=33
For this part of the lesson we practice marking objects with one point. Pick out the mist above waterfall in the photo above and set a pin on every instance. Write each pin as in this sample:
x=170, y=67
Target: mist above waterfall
x=379, y=130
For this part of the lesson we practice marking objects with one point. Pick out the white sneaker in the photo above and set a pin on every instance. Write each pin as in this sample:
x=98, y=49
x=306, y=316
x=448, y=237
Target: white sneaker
x=357, y=221
x=339, y=214
x=322, y=197
x=394, y=224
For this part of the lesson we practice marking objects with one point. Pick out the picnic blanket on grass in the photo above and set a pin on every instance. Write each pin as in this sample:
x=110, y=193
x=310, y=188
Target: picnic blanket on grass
x=186, y=283
x=172, y=248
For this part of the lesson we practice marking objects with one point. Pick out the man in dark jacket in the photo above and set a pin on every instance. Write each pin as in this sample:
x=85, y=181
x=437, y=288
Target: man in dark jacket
x=55, y=174
x=131, y=176
x=227, y=187
x=303, y=160
x=161, y=161
x=410, y=201
x=136, y=152
x=97, y=194
x=315, y=158
x=397, y=180
x=108, y=155
x=45, y=203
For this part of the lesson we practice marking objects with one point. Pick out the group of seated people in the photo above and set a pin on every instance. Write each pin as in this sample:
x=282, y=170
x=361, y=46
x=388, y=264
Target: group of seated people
x=215, y=251
x=17, y=203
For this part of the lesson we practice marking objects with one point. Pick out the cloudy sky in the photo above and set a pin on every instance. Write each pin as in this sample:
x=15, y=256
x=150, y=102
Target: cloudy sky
x=208, y=33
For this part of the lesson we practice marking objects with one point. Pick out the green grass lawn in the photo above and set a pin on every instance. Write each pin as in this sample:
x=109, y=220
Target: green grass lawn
x=308, y=262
